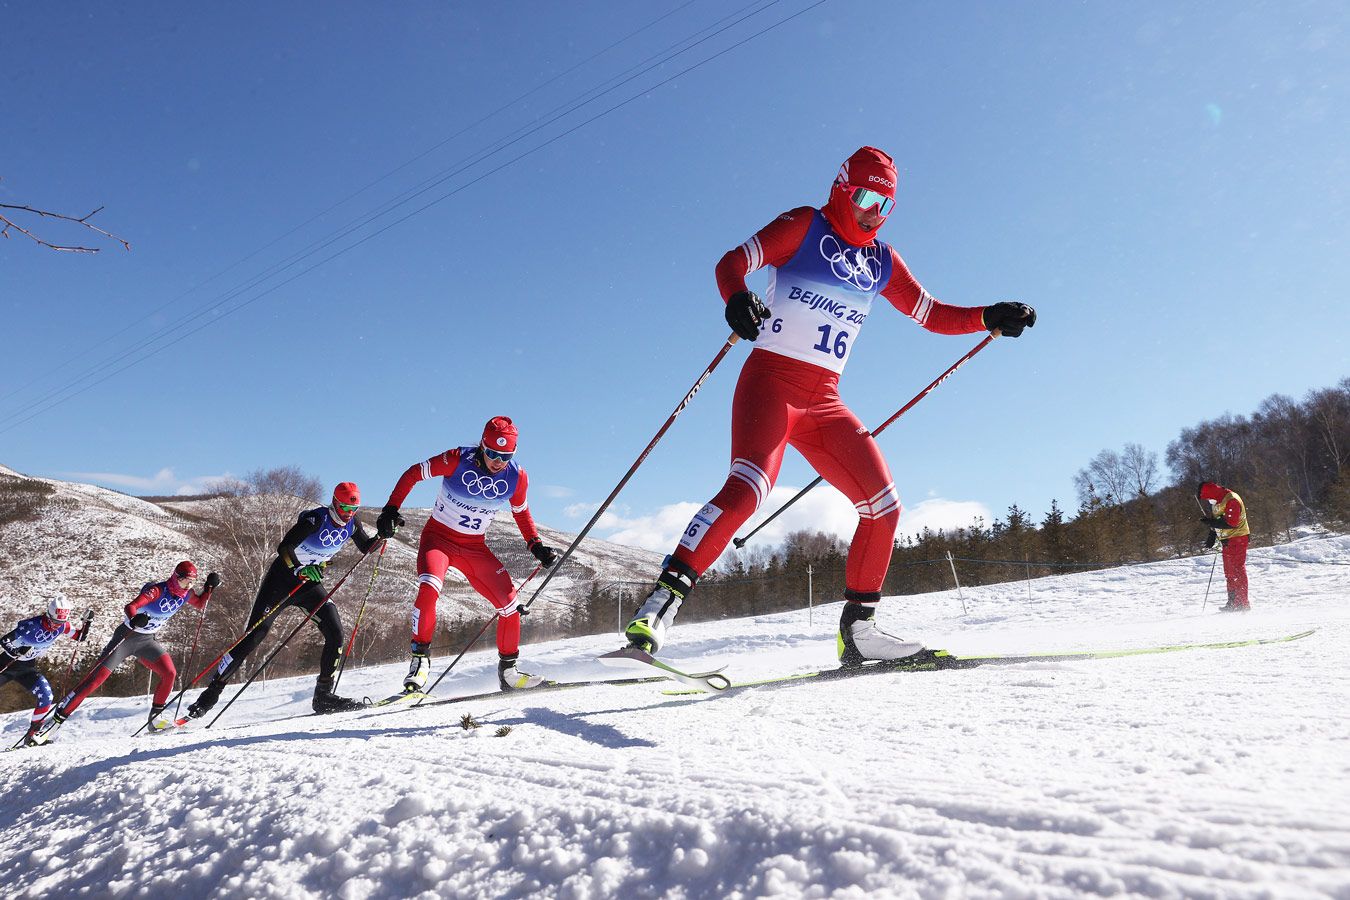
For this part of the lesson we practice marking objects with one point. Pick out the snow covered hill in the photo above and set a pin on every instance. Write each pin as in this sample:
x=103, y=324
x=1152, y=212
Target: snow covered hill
x=1201, y=773
x=99, y=546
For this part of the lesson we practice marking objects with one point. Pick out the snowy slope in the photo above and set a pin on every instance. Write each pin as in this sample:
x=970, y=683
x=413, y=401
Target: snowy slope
x=98, y=546
x=1205, y=773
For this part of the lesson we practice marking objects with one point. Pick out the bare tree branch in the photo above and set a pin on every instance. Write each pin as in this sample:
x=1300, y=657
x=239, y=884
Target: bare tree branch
x=6, y=223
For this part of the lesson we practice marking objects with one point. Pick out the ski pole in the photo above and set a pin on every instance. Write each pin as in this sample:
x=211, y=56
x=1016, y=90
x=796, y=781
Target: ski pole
x=670, y=420
x=1211, y=580
x=476, y=638
x=356, y=626
x=70, y=669
x=176, y=698
x=201, y=617
x=741, y=541
x=318, y=606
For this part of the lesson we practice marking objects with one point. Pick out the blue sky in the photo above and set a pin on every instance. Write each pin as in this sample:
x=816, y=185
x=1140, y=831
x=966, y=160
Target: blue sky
x=1167, y=184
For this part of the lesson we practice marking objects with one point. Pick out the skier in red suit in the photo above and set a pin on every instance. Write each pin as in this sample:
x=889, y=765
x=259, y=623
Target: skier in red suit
x=476, y=483
x=826, y=268
x=1226, y=515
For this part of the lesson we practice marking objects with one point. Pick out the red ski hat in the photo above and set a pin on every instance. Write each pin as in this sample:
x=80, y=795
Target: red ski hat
x=346, y=495
x=500, y=434
x=868, y=168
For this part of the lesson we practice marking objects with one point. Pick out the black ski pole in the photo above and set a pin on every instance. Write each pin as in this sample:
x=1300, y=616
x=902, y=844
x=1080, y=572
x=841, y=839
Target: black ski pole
x=192, y=653
x=262, y=668
x=360, y=613
x=475, y=640
x=741, y=541
x=1211, y=580
x=70, y=669
x=670, y=420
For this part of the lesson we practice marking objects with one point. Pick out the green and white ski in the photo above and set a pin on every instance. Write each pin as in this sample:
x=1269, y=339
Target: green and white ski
x=939, y=660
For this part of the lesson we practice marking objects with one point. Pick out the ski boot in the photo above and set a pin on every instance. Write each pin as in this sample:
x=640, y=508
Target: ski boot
x=647, y=629
x=325, y=701
x=47, y=731
x=1234, y=604
x=157, y=722
x=511, y=678
x=418, y=669
x=859, y=638
x=34, y=737
x=207, y=699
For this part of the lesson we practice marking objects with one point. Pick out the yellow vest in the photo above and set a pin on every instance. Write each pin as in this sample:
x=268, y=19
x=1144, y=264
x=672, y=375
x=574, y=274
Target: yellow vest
x=1241, y=529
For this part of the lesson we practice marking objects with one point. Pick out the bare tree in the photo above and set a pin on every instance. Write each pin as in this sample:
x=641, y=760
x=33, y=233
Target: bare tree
x=1141, y=470
x=7, y=222
x=1105, y=479
x=266, y=504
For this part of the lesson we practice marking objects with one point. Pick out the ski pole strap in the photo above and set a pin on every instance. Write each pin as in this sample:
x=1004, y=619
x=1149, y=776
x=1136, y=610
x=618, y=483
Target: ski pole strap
x=670, y=420
x=741, y=541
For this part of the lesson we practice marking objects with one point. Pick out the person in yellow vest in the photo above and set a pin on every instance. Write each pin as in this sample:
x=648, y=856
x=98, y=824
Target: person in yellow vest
x=1226, y=516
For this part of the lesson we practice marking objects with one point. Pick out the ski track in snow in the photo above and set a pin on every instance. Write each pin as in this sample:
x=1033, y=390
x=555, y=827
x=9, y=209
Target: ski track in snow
x=1202, y=773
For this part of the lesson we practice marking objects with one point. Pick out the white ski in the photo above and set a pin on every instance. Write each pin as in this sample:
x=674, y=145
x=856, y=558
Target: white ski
x=632, y=657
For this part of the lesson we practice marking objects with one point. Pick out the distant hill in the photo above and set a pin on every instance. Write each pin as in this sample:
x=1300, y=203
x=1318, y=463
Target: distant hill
x=98, y=546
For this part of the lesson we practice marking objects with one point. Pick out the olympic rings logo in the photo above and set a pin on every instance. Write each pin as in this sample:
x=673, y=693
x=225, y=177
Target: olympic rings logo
x=328, y=537
x=483, y=485
x=859, y=266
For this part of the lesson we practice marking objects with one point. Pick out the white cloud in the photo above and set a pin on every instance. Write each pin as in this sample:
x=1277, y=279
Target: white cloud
x=163, y=482
x=554, y=491
x=822, y=509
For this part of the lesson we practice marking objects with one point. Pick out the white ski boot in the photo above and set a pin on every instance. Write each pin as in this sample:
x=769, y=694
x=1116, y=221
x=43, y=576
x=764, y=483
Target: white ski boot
x=511, y=678
x=418, y=669
x=860, y=639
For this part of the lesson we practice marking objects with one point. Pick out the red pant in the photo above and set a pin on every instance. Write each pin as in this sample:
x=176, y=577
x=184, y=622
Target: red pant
x=781, y=401
x=442, y=548
x=1235, y=569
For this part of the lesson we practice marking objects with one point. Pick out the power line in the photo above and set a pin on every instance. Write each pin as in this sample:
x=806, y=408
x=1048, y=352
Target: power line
x=18, y=418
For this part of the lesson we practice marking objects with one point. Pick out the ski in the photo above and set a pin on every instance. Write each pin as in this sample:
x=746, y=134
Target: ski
x=400, y=697
x=707, y=682
x=545, y=688
x=170, y=725
x=939, y=660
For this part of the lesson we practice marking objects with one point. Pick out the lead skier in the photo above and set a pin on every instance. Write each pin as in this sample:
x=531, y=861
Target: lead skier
x=144, y=616
x=26, y=642
x=303, y=554
x=827, y=268
x=477, y=482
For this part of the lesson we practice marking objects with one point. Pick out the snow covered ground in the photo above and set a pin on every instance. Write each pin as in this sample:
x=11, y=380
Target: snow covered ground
x=1205, y=773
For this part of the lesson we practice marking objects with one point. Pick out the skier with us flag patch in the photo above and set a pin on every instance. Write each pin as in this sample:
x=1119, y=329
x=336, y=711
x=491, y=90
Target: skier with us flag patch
x=29, y=640
x=477, y=482
x=827, y=267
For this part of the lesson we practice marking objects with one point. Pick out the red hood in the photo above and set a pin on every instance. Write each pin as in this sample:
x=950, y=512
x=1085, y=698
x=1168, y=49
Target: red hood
x=867, y=167
x=1209, y=490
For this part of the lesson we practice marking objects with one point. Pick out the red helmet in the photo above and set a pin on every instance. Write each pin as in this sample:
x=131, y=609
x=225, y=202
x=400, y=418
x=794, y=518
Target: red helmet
x=868, y=169
x=499, y=435
x=184, y=569
x=346, y=498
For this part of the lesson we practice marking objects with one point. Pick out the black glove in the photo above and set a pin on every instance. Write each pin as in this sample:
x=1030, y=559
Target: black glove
x=83, y=634
x=1009, y=318
x=212, y=581
x=1216, y=522
x=745, y=313
x=140, y=620
x=546, y=555
x=1211, y=540
x=389, y=522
